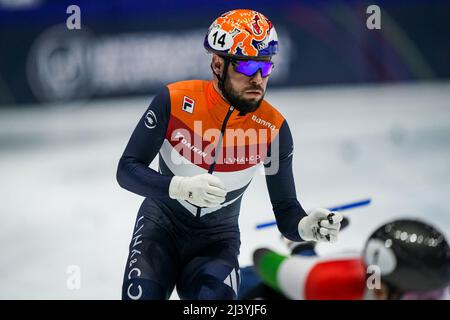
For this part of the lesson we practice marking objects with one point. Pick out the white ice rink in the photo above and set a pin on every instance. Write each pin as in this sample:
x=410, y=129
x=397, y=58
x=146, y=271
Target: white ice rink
x=61, y=205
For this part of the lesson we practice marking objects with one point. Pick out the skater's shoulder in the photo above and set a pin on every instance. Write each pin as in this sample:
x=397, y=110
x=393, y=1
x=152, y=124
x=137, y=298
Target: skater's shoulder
x=192, y=86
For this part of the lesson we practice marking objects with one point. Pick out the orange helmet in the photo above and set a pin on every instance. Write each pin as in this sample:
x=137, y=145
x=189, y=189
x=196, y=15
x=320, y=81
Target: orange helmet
x=242, y=33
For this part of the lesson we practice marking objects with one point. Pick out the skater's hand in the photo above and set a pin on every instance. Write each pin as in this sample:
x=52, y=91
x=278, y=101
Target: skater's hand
x=203, y=190
x=320, y=225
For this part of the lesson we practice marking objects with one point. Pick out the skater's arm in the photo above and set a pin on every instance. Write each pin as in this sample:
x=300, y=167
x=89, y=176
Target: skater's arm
x=281, y=186
x=133, y=172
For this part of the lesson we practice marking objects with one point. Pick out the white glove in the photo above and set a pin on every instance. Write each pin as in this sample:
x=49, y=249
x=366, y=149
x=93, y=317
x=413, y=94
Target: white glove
x=320, y=225
x=203, y=190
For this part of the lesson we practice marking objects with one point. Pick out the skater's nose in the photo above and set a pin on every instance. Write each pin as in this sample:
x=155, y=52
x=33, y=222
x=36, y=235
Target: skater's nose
x=256, y=78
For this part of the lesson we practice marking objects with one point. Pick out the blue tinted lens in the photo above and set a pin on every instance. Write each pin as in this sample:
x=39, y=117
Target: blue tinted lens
x=250, y=67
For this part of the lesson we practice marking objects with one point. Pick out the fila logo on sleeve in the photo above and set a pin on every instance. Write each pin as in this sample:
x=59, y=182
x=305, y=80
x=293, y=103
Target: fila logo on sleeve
x=188, y=104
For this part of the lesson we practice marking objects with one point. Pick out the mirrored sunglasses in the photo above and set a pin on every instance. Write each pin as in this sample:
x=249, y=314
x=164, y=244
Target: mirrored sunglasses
x=250, y=67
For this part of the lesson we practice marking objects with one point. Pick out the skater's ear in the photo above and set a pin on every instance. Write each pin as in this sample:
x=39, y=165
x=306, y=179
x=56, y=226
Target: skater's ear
x=217, y=64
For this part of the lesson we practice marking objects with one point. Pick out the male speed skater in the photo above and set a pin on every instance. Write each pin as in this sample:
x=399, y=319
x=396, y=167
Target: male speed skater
x=211, y=137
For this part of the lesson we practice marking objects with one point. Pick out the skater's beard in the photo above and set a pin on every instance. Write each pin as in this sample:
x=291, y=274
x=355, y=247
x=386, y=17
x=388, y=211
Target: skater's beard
x=237, y=100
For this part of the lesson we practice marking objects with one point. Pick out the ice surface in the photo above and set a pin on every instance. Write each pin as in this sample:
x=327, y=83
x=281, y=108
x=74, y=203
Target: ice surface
x=61, y=205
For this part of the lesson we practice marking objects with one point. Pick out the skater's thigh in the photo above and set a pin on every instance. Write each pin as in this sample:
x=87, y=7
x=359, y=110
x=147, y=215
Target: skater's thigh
x=152, y=264
x=213, y=274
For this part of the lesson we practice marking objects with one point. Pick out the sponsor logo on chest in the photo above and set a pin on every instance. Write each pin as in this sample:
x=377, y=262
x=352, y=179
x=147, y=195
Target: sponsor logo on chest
x=188, y=104
x=263, y=122
x=188, y=144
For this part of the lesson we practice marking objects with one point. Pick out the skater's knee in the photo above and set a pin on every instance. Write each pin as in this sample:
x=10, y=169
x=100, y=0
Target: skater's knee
x=213, y=281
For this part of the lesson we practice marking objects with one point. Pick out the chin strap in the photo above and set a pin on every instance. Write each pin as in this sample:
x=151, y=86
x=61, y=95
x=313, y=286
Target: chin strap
x=224, y=77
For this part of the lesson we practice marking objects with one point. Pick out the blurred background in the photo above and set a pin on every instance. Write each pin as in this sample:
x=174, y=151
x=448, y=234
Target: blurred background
x=369, y=111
